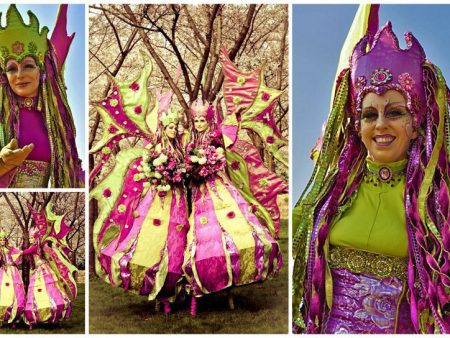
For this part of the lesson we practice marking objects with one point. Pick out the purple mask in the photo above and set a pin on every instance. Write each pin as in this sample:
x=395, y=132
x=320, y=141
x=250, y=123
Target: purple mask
x=385, y=66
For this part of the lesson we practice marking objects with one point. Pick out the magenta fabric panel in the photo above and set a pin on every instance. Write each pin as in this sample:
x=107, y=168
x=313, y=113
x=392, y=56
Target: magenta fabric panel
x=210, y=259
x=32, y=129
x=7, y=178
x=265, y=193
x=60, y=41
x=176, y=241
x=30, y=312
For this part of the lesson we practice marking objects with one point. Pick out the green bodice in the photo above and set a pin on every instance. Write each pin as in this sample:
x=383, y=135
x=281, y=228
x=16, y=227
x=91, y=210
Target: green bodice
x=375, y=221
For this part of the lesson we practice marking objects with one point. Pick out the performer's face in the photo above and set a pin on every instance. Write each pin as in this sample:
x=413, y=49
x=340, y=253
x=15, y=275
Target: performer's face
x=386, y=126
x=171, y=130
x=32, y=240
x=23, y=77
x=2, y=241
x=200, y=124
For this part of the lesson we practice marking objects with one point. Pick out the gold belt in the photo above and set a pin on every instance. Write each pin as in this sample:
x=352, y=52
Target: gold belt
x=359, y=261
x=32, y=174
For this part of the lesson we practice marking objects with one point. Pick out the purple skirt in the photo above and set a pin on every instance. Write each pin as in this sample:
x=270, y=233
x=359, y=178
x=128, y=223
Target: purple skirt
x=363, y=303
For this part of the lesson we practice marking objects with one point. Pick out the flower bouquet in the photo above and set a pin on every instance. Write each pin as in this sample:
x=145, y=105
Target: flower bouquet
x=163, y=169
x=204, y=161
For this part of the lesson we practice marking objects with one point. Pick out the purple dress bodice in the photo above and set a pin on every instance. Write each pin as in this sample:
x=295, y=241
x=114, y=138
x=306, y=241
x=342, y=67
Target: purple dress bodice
x=32, y=129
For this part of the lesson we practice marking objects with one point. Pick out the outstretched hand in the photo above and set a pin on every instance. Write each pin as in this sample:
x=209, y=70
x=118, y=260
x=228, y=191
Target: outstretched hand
x=12, y=156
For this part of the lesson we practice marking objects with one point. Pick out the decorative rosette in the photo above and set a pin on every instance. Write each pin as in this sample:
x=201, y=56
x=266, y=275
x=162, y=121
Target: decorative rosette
x=163, y=169
x=204, y=161
x=380, y=76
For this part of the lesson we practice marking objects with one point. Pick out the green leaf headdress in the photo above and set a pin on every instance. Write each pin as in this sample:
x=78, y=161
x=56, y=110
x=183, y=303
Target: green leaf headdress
x=19, y=40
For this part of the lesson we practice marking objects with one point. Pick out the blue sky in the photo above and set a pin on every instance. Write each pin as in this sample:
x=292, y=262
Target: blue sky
x=75, y=62
x=318, y=34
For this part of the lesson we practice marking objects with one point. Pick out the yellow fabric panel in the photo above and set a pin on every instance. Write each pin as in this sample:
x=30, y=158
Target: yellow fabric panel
x=7, y=292
x=42, y=298
x=152, y=239
x=115, y=269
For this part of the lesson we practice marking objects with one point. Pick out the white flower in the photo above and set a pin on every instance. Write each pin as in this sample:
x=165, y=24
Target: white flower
x=156, y=162
x=158, y=175
x=166, y=188
x=219, y=150
x=159, y=187
x=201, y=151
x=202, y=160
x=194, y=158
x=163, y=158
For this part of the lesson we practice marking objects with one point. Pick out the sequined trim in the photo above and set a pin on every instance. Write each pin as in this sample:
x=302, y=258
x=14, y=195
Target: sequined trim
x=32, y=174
x=359, y=261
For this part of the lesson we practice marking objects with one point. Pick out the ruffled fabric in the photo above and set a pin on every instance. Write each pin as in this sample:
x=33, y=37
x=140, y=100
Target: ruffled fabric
x=227, y=245
x=148, y=259
x=47, y=301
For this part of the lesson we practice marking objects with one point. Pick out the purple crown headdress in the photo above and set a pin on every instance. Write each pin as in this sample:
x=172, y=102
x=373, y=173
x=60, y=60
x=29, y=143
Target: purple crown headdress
x=386, y=66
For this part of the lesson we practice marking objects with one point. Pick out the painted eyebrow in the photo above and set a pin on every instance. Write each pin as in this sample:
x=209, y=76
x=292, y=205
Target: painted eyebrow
x=390, y=104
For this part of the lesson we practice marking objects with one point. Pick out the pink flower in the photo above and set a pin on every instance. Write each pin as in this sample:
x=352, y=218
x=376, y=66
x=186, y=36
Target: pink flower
x=107, y=193
x=231, y=214
x=265, y=96
x=138, y=109
x=235, y=165
x=17, y=47
x=134, y=86
x=270, y=139
x=112, y=129
x=406, y=81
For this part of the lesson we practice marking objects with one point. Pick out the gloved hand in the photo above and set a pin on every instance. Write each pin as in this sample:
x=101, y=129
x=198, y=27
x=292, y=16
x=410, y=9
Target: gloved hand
x=12, y=156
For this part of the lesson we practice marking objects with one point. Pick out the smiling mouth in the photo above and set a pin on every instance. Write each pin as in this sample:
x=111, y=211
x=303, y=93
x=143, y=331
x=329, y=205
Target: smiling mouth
x=22, y=84
x=384, y=140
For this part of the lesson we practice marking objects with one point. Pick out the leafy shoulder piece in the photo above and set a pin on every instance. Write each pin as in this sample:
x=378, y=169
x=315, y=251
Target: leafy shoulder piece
x=249, y=105
x=247, y=95
x=56, y=251
x=126, y=112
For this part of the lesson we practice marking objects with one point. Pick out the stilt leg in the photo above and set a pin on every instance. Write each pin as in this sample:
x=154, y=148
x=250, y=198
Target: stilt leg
x=193, y=306
x=166, y=306
x=230, y=300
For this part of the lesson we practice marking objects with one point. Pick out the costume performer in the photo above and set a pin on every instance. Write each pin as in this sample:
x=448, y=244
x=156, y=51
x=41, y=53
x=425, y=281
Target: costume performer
x=140, y=233
x=52, y=287
x=227, y=244
x=372, y=244
x=37, y=133
x=12, y=293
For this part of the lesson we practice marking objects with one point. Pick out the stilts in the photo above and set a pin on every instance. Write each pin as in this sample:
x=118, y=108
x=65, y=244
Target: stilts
x=166, y=306
x=193, y=306
x=230, y=299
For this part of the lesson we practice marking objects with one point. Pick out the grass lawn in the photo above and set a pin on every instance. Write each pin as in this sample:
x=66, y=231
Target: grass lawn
x=75, y=323
x=259, y=308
